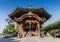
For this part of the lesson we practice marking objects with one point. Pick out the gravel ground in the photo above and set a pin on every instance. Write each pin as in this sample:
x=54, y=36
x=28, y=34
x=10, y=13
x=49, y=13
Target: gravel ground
x=30, y=39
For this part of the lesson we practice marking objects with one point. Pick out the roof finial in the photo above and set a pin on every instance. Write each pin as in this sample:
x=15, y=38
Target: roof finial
x=30, y=6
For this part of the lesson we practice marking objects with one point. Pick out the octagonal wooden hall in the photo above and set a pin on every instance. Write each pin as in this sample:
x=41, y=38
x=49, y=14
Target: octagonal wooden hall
x=29, y=21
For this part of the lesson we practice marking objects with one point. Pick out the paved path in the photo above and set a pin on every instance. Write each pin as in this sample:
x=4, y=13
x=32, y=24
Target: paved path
x=30, y=39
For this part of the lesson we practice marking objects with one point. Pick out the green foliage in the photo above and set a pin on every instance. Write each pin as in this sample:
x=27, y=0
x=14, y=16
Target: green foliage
x=52, y=26
x=10, y=27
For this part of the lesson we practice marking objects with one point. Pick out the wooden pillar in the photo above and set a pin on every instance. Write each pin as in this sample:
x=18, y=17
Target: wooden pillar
x=42, y=25
x=38, y=29
x=17, y=26
x=21, y=30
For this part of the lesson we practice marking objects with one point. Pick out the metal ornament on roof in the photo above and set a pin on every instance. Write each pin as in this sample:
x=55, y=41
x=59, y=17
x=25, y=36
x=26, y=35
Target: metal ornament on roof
x=30, y=12
x=30, y=6
x=15, y=18
x=29, y=22
x=44, y=18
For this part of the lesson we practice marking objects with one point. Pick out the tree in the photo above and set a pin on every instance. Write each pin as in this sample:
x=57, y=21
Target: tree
x=55, y=25
x=10, y=28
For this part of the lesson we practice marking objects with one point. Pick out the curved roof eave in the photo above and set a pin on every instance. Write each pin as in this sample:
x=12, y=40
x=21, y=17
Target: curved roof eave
x=26, y=9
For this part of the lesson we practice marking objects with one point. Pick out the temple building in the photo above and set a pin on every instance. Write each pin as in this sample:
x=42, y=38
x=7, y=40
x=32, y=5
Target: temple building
x=29, y=21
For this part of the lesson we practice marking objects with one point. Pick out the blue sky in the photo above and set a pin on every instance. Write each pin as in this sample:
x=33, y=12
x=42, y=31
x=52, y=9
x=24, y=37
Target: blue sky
x=8, y=6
